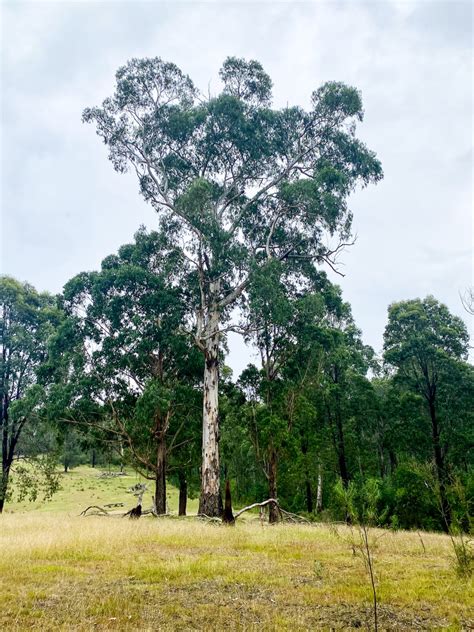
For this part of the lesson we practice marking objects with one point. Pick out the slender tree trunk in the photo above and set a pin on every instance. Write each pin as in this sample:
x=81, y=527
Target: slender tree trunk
x=341, y=452
x=4, y=487
x=121, y=456
x=440, y=468
x=94, y=458
x=273, y=514
x=160, y=480
x=5, y=451
x=337, y=434
x=382, y=465
x=309, y=496
x=228, y=516
x=308, y=488
x=319, y=492
x=210, y=502
x=393, y=460
x=183, y=493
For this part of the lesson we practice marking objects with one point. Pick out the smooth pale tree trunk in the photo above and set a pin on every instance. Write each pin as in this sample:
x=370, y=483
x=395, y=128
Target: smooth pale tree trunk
x=121, y=457
x=183, y=493
x=210, y=502
x=160, y=479
x=319, y=491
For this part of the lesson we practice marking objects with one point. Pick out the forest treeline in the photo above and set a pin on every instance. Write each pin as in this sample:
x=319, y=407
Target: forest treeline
x=107, y=374
x=252, y=207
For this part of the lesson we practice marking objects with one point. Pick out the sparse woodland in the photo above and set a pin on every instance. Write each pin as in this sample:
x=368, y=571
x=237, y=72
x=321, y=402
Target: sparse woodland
x=126, y=369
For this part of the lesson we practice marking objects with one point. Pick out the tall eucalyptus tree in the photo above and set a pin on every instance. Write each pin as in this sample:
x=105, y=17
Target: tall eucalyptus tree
x=236, y=184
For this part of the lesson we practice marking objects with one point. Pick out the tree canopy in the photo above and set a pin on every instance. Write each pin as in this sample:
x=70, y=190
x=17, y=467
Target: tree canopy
x=237, y=184
x=27, y=322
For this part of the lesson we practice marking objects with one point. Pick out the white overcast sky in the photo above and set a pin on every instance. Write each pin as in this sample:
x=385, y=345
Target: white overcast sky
x=63, y=208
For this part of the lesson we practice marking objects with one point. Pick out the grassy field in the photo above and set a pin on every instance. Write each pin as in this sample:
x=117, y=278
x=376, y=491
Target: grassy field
x=84, y=486
x=59, y=571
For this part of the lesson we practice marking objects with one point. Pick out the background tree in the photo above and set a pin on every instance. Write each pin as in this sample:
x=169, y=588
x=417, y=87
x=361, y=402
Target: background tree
x=27, y=321
x=287, y=320
x=134, y=369
x=426, y=344
x=236, y=184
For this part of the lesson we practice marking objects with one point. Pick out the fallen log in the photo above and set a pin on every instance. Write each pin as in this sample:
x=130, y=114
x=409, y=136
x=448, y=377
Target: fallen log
x=254, y=505
x=102, y=511
x=284, y=515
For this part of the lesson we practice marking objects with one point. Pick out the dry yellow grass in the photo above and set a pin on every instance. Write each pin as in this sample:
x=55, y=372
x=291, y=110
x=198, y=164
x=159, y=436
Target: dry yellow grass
x=68, y=573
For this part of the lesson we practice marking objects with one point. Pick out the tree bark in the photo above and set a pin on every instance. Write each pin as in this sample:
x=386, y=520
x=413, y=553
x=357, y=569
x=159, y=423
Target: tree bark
x=341, y=452
x=7, y=453
x=309, y=496
x=319, y=492
x=160, y=479
x=4, y=487
x=210, y=502
x=393, y=460
x=440, y=467
x=273, y=514
x=308, y=488
x=228, y=516
x=183, y=493
x=381, y=455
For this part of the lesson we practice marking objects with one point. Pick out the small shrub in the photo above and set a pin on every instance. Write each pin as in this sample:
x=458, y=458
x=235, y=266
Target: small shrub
x=464, y=557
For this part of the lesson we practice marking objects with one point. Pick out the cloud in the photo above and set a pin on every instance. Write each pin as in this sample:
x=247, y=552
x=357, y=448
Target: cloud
x=444, y=23
x=64, y=208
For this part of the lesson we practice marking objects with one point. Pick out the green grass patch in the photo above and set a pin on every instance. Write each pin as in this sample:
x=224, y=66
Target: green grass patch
x=59, y=571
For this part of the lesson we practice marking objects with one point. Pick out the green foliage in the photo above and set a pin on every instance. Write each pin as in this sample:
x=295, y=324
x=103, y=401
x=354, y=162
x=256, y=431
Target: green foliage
x=240, y=183
x=249, y=196
x=360, y=501
x=252, y=201
x=423, y=327
x=427, y=345
x=38, y=478
x=414, y=505
x=246, y=80
x=28, y=321
x=124, y=366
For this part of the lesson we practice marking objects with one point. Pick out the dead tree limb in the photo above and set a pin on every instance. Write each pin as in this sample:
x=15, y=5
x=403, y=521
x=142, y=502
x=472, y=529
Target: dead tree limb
x=263, y=504
x=293, y=517
x=102, y=511
x=284, y=515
